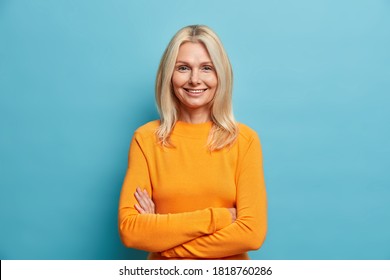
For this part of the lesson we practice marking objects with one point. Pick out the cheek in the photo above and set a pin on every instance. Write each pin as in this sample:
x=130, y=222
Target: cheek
x=211, y=81
x=179, y=80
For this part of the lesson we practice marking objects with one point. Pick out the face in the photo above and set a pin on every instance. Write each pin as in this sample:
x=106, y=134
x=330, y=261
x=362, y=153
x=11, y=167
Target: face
x=194, y=79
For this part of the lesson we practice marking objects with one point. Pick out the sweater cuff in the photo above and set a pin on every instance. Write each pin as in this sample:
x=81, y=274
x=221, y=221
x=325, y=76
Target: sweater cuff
x=221, y=218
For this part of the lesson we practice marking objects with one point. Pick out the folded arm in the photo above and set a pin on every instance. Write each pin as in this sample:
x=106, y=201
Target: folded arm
x=159, y=232
x=249, y=230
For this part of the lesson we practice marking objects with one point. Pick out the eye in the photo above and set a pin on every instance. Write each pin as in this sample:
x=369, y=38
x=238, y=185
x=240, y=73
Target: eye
x=183, y=68
x=207, y=68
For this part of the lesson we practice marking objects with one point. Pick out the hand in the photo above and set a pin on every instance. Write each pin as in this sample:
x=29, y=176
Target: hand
x=233, y=212
x=145, y=203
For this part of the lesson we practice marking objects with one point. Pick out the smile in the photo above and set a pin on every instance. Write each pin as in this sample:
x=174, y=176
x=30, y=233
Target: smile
x=195, y=90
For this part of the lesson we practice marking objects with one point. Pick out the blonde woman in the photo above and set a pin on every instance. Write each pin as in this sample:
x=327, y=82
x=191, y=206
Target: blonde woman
x=194, y=187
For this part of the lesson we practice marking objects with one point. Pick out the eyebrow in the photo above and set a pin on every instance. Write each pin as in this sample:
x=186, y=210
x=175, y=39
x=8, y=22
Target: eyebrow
x=186, y=62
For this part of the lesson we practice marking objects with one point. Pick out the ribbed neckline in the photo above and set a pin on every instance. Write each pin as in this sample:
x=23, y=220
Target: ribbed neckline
x=190, y=130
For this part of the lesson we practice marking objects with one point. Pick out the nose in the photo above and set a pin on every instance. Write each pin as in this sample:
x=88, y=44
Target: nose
x=194, y=78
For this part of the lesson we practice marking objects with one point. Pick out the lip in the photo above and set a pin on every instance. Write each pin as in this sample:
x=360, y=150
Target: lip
x=195, y=91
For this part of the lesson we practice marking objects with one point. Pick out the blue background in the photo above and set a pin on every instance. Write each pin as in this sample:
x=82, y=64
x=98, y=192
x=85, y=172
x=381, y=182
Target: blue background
x=311, y=77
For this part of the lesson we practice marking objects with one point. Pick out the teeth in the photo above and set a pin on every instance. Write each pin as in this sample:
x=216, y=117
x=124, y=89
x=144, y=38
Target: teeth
x=196, y=90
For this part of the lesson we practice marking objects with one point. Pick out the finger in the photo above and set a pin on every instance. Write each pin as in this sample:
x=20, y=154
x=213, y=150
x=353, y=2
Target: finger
x=149, y=201
x=145, y=201
x=139, y=209
x=144, y=197
x=141, y=200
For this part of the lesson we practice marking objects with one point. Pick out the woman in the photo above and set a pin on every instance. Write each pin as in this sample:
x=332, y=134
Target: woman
x=194, y=187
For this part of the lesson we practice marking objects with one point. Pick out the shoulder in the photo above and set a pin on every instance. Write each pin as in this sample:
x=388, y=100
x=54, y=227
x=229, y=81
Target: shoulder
x=147, y=130
x=246, y=133
x=248, y=141
x=148, y=127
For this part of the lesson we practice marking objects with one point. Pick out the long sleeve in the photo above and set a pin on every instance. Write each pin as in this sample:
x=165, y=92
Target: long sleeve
x=159, y=232
x=249, y=230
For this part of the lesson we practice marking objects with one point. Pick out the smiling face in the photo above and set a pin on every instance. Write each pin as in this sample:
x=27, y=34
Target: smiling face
x=194, y=82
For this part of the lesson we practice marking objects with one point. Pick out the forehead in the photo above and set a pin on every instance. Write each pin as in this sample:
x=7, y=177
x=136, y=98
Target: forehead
x=193, y=52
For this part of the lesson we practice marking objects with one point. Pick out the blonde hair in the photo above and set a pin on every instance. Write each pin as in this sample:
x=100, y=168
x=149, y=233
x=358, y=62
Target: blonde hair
x=224, y=130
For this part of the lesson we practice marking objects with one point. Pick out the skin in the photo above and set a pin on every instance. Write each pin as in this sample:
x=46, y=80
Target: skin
x=145, y=203
x=194, y=83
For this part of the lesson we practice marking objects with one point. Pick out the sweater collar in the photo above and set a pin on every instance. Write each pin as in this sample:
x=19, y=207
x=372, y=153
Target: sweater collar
x=199, y=130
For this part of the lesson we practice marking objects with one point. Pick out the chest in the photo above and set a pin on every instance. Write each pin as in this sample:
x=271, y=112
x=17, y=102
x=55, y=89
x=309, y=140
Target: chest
x=188, y=178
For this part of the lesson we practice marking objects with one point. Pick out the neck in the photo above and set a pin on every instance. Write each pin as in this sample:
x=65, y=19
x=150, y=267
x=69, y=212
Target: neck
x=194, y=117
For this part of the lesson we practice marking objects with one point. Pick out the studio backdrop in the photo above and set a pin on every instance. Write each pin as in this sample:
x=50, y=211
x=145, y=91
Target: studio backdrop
x=311, y=77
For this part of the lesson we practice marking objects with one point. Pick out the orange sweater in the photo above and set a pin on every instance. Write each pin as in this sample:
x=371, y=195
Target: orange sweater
x=192, y=189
